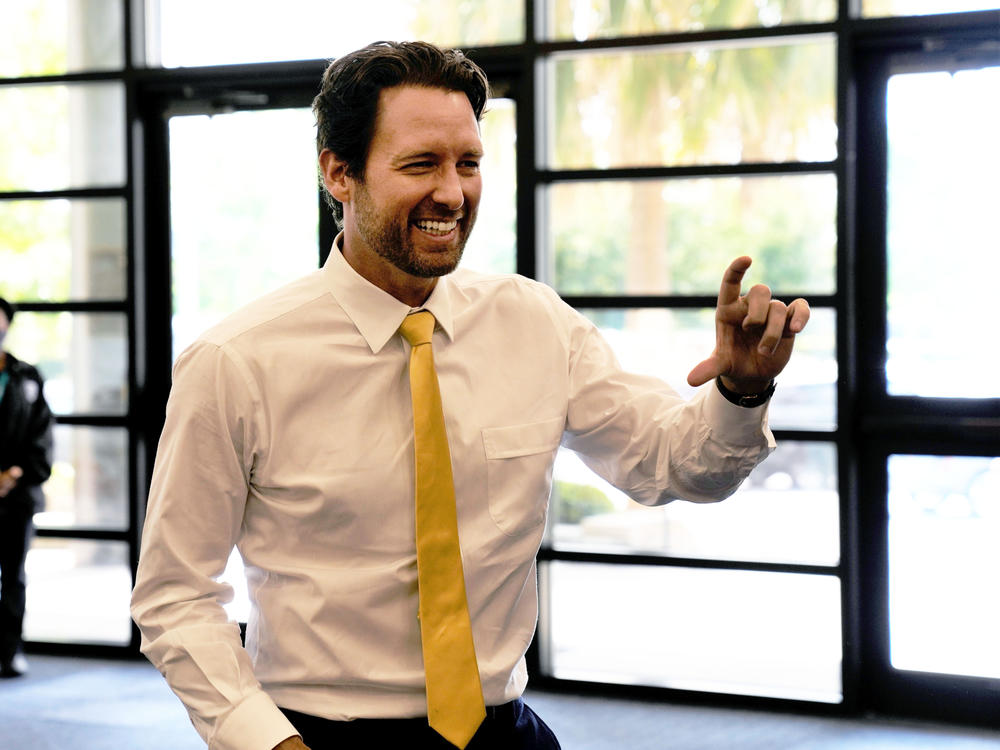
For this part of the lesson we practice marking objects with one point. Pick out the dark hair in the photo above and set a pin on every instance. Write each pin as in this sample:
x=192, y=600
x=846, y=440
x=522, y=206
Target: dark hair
x=7, y=308
x=347, y=103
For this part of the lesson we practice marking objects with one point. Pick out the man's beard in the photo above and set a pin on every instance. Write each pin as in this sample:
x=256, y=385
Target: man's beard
x=391, y=241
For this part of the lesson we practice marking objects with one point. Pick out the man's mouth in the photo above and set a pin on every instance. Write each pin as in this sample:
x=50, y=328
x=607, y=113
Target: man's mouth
x=436, y=227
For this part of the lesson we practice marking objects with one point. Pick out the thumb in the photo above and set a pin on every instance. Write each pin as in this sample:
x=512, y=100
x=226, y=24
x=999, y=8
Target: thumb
x=15, y=472
x=704, y=371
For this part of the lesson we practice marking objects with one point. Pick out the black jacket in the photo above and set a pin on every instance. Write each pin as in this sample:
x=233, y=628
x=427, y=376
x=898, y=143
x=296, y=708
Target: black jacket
x=25, y=433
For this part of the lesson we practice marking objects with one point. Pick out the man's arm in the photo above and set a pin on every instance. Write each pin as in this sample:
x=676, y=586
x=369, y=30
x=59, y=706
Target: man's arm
x=32, y=458
x=196, y=504
x=641, y=436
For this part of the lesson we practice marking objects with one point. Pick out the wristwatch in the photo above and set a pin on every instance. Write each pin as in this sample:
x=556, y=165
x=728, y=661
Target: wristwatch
x=748, y=400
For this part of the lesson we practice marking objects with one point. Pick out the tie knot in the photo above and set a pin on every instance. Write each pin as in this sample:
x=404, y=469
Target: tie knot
x=418, y=327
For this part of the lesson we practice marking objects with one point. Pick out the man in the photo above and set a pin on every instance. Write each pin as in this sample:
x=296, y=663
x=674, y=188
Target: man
x=296, y=430
x=25, y=463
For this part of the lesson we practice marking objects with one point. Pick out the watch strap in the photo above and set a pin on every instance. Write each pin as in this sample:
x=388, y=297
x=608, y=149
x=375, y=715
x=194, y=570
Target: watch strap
x=747, y=400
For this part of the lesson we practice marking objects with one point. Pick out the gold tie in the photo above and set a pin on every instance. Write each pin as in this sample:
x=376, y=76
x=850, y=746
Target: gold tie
x=455, y=707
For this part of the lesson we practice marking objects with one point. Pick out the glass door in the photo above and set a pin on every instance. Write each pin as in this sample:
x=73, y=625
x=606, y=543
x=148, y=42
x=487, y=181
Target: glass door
x=942, y=234
x=933, y=398
x=243, y=211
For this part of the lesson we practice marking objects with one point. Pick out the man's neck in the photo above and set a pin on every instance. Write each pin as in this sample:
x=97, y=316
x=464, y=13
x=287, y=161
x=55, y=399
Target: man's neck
x=408, y=289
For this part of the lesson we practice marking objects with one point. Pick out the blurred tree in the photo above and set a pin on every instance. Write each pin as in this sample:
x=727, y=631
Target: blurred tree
x=574, y=502
x=703, y=106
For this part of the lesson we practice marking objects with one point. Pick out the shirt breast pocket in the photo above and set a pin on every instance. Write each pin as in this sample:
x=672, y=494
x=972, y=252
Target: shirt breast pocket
x=519, y=472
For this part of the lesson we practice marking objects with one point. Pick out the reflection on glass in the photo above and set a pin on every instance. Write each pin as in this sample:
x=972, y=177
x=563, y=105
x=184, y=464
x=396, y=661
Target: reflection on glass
x=668, y=343
x=923, y=7
x=82, y=357
x=709, y=105
x=88, y=487
x=59, y=250
x=65, y=136
x=944, y=523
x=739, y=632
x=943, y=232
x=240, y=226
x=78, y=592
x=492, y=247
x=678, y=236
x=572, y=19
x=42, y=37
x=786, y=511
x=187, y=32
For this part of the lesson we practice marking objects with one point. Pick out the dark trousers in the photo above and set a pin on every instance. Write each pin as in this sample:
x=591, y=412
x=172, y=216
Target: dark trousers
x=512, y=726
x=16, y=531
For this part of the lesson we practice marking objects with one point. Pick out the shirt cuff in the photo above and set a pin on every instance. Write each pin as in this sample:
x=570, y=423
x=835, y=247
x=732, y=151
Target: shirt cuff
x=255, y=724
x=739, y=425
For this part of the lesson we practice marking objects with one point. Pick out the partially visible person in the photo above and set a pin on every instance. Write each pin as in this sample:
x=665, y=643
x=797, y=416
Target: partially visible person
x=25, y=463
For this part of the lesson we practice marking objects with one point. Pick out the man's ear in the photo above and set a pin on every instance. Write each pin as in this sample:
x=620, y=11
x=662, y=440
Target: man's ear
x=335, y=176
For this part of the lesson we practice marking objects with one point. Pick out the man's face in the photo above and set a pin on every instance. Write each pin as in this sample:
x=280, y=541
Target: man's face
x=418, y=201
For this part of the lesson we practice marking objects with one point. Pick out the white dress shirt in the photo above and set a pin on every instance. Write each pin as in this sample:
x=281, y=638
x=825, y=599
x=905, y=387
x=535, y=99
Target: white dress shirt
x=289, y=434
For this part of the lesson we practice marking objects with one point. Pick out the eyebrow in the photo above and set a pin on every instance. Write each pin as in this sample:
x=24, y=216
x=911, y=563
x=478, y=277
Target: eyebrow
x=432, y=155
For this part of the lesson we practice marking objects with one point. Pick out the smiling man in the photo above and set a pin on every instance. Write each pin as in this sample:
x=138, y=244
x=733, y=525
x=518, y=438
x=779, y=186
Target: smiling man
x=377, y=440
x=407, y=221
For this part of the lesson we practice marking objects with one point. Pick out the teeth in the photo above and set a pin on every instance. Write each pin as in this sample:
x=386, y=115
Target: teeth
x=436, y=227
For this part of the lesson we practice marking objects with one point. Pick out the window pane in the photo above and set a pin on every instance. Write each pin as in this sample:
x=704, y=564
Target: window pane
x=923, y=7
x=570, y=19
x=187, y=31
x=68, y=136
x=943, y=194
x=78, y=592
x=770, y=634
x=46, y=37
x=710, y=105
x=944, y=523
x=678, y=236
x=786, y=511
x=59, y=250
x=239, y=227
x=492, y=246
x=668, y=343
x=82, y=357
x=89, y=483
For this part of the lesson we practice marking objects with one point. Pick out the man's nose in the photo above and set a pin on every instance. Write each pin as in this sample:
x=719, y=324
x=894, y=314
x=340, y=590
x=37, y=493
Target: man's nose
x=448, y=191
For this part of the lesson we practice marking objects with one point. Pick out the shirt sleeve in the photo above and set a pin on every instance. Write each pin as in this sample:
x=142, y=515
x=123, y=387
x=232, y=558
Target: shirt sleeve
x=640, y=435
x=195, y=510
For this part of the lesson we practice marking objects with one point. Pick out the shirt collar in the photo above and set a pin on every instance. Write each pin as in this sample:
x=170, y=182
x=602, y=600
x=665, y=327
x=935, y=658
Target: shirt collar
x=375, y=313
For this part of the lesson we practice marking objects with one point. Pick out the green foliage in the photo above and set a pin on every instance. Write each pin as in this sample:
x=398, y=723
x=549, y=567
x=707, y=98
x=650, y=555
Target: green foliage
x=609, y=18
x=599, y=270
x=680, y=236
x=574, y=502
x=465, y=23
x=35, y=39
x=32, y=250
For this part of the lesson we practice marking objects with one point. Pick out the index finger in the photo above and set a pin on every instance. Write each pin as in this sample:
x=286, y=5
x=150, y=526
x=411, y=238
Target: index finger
x=732, y=281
